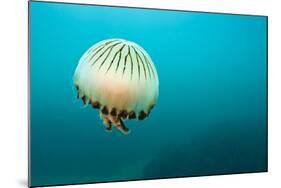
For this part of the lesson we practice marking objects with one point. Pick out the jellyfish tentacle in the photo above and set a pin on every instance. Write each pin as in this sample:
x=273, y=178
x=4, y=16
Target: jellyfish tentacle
x=118, y=123
x=109, y=128
x=121, y=126
x=107, y=122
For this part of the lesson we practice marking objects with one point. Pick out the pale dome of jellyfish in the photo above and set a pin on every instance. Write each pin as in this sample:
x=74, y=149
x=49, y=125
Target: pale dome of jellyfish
x=119, y=78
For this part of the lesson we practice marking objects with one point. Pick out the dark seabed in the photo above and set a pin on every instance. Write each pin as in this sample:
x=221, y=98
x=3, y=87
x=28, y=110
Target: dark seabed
x=210, y=117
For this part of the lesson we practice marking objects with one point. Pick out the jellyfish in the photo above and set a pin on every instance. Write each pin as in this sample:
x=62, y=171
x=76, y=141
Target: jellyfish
x=119, y=78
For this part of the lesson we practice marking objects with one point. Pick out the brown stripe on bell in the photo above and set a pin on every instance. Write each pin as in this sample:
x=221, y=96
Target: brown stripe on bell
x=149, y=109
x=104, y=110
x=77, y=87
x=123, y=114
x=132, y=115
x=80, y=95
x=142, y=115
x=113, y=112
x=84, y=99
x=96, y=104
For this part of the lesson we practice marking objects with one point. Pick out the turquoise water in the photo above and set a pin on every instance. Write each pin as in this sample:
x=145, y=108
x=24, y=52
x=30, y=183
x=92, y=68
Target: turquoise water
x=210, y=117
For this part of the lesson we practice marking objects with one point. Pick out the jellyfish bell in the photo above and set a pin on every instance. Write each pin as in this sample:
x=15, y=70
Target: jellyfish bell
x=119, y=78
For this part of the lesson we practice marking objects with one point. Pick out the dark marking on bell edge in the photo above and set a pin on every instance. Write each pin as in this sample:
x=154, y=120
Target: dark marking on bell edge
x=84, y=99
x=113, y=112
x=149, y=110
x=104, y=110
x=77, y=87
x=132, y=115
x=96, y=105
x=123, y=114
x=151, y=107
x=142, y=115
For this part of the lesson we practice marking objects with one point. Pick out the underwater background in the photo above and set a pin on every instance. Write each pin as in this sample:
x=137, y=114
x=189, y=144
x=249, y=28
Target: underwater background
x=211, y=115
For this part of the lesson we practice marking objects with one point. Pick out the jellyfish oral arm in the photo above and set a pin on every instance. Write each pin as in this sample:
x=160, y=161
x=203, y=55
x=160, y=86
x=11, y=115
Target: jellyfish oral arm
x=109, y=121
